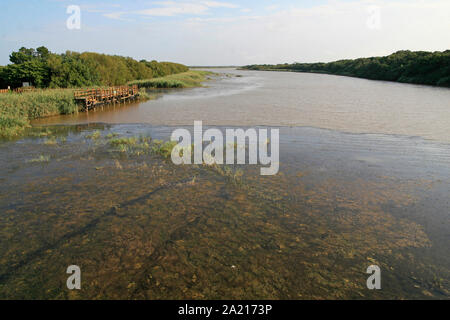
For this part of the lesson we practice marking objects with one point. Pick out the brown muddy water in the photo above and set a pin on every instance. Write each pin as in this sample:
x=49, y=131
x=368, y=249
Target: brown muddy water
x=140, y=227
x=294, y=99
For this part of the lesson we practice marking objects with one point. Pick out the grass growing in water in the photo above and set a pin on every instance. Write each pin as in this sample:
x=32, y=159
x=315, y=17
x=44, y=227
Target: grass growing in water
x=123, y=142
x=111, y=135
x=143, y=94
x=142, y=145
x=94, y=136
x=131, y=145
x=51, y=141
x=163, y=149
x=192, y=78
x=233, y=175
x=41, y=158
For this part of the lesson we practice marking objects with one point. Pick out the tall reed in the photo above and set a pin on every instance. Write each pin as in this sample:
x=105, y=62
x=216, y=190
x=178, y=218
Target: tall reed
x=16, y=110
x=192, y=78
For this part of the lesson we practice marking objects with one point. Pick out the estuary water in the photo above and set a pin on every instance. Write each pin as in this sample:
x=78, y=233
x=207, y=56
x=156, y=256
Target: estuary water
x=364, y=180
x=294, y=99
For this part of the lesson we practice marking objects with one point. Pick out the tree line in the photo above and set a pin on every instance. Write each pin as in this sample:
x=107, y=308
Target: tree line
x=419, y=67
x=44, y=69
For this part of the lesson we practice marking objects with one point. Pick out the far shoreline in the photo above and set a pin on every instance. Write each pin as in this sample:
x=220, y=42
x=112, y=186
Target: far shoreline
x=343, y=75
x=414, y=67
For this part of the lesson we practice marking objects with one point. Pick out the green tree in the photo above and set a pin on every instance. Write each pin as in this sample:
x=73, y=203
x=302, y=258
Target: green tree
x=71, y=69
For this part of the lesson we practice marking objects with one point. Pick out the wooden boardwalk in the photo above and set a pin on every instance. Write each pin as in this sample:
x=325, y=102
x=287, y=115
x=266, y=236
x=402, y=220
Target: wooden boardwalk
x=90, y=98
x=25, y=89
x=19, y=90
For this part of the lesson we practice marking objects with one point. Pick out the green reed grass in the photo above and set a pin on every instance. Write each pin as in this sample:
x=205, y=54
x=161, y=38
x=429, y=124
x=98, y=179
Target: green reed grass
x=17, y=110
x=164, y=149
x=189, y=79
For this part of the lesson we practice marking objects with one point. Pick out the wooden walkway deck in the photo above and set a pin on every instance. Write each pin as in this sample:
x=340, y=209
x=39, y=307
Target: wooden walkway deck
x=19, y=90
x=90, y=98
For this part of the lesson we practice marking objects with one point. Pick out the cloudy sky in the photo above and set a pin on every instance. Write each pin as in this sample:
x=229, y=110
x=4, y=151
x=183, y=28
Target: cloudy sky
x=229, y=32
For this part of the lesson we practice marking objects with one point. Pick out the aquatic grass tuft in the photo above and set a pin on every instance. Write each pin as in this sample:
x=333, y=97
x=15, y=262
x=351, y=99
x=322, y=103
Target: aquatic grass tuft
x=39, y=132
x=123, y=142
x=41, y=158
x=131, y=145
x=164, y=149
x=111, y=135
x=94, y=136
x=50, y=141
x=235, y=176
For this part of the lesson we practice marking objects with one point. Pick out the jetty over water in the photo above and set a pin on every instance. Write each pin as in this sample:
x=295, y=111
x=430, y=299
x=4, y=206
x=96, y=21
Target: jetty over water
x=90, y=98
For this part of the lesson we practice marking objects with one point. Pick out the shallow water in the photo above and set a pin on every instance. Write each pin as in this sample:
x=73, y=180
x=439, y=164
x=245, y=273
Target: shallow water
x=141, y=228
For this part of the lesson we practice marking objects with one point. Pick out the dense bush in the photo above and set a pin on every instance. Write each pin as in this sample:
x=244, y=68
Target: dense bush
x=44, y=69
x=432, y=68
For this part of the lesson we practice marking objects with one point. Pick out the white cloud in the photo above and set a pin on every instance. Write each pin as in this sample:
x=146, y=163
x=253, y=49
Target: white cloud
x=114, y=15
x=327, y=32
x=99, y=7
x=173, y=8
x=169, y=9
x=216, y=4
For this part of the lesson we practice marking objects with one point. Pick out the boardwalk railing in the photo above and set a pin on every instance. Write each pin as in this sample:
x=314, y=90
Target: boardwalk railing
x=91, y=97
x=19, y=90
x=25, y=89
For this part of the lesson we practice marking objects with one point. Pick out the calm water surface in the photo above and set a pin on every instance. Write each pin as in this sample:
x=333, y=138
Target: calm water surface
x=364, y=179
x=295, y=99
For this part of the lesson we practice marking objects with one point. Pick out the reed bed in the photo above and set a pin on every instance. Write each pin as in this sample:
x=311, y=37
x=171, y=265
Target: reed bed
x=190, y=79
x=17, y=110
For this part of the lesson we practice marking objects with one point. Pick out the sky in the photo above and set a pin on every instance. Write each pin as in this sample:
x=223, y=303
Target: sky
x=228, y=32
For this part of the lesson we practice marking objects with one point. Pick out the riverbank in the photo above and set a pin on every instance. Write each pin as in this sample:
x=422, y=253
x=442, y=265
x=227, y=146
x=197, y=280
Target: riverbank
x=429, y=68
x=17, y=110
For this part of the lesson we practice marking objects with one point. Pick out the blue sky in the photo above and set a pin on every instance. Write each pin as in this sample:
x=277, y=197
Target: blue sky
x=216, y=32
